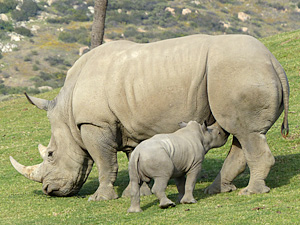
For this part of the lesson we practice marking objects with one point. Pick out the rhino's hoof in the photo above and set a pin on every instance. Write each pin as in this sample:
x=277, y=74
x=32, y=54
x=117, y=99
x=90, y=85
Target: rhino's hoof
x=214, y=189
x=166, y=204
x=102, y=194
x=187, y=201
x=257, y=190
x=134, y=210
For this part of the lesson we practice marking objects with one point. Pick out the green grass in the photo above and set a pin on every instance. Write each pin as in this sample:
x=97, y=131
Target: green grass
x=22, y=127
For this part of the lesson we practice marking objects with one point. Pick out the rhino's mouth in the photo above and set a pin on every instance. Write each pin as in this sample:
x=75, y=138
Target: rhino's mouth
x=61, y=190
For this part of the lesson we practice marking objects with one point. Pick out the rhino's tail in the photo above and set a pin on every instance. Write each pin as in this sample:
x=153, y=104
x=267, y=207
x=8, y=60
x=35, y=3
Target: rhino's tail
x=286, y=92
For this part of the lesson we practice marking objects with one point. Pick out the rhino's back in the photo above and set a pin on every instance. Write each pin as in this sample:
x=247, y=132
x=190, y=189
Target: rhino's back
x=149, y=88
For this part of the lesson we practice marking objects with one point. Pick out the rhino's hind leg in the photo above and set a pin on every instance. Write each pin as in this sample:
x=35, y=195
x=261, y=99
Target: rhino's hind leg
x=234, y=164
x=101, y=148
x=260, y=160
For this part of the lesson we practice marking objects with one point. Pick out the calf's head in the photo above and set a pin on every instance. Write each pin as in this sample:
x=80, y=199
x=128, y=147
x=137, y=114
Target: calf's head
x=212, y=136
x=66, y=165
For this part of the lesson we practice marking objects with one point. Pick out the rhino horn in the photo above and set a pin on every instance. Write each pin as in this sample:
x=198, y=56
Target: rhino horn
x=43, y=151
x=38, y=102
x=31, y=172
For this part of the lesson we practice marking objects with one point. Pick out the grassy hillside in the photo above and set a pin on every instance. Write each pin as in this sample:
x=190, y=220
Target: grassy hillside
x=56, y=32
x=22, y=127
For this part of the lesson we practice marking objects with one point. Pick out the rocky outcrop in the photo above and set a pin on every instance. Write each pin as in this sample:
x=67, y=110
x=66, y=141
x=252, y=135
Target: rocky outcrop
x=3, y=17
x=171, y=10
x=243, y=16
x=8, y=47
x=186, y=11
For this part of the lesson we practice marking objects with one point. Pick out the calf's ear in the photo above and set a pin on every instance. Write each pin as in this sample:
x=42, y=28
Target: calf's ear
x=182, y=124
x=204, y=126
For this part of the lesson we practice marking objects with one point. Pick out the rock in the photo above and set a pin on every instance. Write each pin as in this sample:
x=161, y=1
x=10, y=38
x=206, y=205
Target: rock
x=225, y=25
x=171, y=10
x=243, y=16
x=8, y=47
x=3, y=17
x=50, y=2
x=186, y=11
x=83, y=50
x=15, y=37
x=196, y=2
x=34, y=28
x=141, y=30
x=45, y=88
x=245, y=29
x=91, y=9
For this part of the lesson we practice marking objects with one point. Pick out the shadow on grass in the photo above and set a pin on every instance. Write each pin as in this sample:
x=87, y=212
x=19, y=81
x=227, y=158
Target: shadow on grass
x=286, y=167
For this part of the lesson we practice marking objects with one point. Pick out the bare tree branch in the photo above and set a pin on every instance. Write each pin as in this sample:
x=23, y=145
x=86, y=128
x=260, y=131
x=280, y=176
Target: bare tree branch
x=98, y=23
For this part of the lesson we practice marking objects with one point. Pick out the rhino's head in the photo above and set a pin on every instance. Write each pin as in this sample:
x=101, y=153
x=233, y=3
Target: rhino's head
x=66, y=165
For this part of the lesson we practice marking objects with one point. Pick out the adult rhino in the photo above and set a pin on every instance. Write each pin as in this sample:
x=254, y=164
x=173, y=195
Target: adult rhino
x=122, y=93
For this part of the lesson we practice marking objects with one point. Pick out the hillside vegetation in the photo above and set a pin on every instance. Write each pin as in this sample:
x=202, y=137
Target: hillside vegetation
x=40, y=40
x=23, y=202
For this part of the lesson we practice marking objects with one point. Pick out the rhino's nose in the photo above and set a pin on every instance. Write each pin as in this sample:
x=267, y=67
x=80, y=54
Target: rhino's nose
x=49, y=189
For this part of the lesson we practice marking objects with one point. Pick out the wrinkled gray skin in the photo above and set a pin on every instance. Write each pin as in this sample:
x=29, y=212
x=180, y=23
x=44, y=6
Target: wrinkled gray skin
x=175, y=155
x=122, y=93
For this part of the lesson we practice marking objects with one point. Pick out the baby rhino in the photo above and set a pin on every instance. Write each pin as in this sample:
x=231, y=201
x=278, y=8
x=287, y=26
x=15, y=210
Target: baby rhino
x=175, y=155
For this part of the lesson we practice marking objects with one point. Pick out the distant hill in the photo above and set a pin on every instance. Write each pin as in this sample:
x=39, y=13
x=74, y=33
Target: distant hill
x=40, y=40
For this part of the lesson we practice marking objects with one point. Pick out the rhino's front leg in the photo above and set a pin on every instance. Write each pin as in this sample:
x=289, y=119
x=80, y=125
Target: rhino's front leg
x=101, y=146
x=234, y=164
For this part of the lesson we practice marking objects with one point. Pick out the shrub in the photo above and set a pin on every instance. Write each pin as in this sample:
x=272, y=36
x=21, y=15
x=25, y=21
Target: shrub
x=6, y=26
x=23, y=31
x=29, y=8
x=53, y=80
x=55, y=60
x=81, y=35
x=35, y=67
x=27, y=59
x=8, y=5
x=58, y=20
x=34, y=52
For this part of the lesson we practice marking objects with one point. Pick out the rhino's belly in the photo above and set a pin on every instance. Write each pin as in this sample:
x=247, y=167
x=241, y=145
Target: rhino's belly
x=160, y=111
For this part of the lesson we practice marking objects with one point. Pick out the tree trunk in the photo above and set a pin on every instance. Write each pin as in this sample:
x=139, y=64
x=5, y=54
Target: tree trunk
x=98, y=23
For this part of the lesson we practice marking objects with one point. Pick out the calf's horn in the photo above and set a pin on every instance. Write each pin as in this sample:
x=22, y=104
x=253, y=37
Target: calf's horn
x=31, y=172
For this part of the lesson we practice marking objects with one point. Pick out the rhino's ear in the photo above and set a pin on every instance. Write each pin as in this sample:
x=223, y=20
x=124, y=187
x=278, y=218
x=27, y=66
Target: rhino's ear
x=38, y=102
x=182, y=124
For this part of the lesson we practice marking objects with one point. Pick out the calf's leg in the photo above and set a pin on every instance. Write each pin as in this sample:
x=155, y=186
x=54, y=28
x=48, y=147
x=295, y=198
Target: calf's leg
x=191, y=178
x=180, y=183
x=159, y=188
x=144, y=190
x=135, y=185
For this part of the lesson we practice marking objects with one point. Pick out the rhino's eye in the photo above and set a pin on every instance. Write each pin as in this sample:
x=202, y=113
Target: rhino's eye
x=50, y=154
